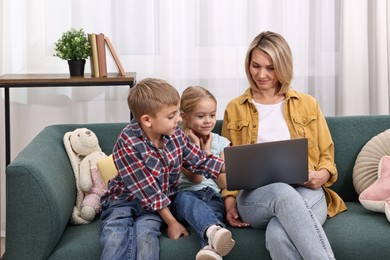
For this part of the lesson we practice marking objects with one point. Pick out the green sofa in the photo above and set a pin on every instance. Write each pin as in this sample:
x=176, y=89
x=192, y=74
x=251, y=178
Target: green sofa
x=40, y=194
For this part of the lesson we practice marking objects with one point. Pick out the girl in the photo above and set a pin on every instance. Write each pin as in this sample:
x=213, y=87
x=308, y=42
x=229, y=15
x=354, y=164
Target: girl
x=198, y=201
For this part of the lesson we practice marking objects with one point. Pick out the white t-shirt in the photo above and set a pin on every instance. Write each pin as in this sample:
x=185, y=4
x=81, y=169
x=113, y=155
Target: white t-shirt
x=272, y=124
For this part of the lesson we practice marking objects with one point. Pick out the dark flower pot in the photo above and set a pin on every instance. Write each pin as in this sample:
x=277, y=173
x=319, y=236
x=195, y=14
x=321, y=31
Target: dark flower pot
x=76, y=67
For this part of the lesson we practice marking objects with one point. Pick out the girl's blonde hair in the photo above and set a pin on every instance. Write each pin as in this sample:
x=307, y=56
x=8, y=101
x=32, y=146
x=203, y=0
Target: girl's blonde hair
x=278, y=49
x=190, y=98
x=149, y=95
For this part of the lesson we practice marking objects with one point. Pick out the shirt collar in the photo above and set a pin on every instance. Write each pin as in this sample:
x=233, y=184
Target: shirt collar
x=247, y=96
x=136, y=128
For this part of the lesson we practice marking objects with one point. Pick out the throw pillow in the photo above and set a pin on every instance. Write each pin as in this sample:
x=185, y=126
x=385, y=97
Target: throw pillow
x=107, y=168
x=377, y=196
x=365, y=171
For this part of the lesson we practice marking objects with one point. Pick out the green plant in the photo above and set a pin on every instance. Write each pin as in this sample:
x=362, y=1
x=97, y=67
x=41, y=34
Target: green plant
x=73, y=45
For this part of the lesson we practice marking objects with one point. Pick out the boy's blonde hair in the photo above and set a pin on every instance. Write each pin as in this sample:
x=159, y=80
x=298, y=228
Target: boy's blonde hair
x=149, y=95
x=278, y=49
x=190, y=98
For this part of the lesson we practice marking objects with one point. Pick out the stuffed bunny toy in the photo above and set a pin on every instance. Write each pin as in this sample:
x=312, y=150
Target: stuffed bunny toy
x=82, y=147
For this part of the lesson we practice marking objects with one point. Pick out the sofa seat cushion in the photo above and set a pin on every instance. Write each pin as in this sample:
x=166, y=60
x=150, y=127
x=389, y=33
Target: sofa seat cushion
x=79, y=242
x=358, y=234
x=364, y=229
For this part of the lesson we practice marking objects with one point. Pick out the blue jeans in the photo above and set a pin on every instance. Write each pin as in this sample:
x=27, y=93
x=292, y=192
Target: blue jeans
x=292, y=218
x=129, y=232
x=200, y=209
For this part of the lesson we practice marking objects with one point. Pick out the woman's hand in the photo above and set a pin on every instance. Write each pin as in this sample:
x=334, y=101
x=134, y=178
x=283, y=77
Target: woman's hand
x=317, y=179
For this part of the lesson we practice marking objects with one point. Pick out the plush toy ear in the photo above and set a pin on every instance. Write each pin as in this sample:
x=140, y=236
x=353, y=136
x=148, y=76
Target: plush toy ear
x=73, y=158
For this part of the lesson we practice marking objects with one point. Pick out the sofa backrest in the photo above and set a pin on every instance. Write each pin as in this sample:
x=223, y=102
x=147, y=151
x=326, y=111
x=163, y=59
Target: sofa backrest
x=350, y=134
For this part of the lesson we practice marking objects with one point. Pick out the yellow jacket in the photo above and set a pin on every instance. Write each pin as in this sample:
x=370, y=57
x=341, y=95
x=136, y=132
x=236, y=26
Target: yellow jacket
x=304, y=120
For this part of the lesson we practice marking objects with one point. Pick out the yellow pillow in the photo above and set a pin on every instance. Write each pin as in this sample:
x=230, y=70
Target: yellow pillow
x=107, y=168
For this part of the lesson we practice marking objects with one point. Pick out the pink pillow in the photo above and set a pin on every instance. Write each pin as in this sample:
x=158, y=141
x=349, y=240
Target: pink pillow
x=377, y=196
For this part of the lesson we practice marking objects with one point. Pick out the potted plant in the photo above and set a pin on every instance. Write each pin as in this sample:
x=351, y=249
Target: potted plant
x=74, y=47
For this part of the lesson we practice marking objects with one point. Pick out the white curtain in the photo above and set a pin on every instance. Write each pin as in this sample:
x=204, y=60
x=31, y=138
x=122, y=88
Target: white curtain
x=364, y=57
x=192, y=42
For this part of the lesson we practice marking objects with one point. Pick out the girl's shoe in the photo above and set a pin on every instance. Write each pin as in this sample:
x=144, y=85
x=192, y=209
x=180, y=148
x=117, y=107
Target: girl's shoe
x=208, y=253
x=220, y=239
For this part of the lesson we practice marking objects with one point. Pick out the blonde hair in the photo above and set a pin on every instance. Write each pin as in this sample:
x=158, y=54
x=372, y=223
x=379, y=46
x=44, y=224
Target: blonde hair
x=278, y=49
x=190, y=98
x=149, y=95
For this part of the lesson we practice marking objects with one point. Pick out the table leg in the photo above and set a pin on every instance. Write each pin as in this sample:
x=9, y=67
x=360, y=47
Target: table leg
x=7, y=126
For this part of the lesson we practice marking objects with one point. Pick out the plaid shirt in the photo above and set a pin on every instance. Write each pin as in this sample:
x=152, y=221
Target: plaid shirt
x=152, y=174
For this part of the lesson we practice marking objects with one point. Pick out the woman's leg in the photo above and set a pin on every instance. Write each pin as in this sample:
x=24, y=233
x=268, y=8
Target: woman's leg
x=295, y=224
x=315, y=200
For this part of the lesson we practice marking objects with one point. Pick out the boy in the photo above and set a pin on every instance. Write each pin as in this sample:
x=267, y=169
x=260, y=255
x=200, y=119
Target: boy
x=148, y=155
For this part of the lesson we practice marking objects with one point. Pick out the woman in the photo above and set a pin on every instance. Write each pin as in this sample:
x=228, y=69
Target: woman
x=269, y=111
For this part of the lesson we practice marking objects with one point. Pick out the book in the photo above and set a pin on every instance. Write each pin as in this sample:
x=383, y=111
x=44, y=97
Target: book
x=94, y=55
x=101, y=51
x=115, y=56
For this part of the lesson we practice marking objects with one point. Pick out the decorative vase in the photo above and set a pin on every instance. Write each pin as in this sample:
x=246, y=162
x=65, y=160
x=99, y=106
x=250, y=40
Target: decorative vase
x=76, y=67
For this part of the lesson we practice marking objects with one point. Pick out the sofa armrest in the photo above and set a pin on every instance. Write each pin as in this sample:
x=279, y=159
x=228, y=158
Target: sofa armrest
x=40, y=195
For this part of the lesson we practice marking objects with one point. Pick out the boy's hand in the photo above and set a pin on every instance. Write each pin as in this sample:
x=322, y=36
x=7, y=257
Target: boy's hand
x=177, y=230
x=194, y=178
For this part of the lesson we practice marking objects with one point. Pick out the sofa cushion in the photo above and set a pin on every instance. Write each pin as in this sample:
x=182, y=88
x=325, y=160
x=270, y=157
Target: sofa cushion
x=365, y=171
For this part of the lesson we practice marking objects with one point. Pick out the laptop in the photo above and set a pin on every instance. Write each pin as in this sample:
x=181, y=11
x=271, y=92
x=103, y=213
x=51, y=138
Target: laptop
x=255, y=165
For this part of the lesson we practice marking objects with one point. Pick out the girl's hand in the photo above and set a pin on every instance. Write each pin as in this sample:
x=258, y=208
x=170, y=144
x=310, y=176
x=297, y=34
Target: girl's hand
x=205, y=143
x=221, y=180
x=232, y=216
x=193, y=137
x=234, y=219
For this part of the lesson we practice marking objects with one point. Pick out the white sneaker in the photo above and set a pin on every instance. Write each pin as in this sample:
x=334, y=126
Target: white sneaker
x=220, y=239
x=208, y=253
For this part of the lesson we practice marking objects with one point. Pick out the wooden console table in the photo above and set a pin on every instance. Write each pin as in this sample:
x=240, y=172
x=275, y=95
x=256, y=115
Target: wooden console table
x=9, y=81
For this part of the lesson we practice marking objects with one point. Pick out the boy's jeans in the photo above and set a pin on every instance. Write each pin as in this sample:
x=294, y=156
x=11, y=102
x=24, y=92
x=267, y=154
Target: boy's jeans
x=200, y=209
x=129, y=232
